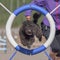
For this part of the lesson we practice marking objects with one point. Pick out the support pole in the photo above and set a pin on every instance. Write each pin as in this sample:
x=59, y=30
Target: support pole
x=5, y=8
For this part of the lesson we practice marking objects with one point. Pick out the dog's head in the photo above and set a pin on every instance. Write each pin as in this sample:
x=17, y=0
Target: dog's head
x=28, y=30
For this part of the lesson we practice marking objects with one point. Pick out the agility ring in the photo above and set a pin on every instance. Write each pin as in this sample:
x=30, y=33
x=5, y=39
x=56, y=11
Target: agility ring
x=11, y=39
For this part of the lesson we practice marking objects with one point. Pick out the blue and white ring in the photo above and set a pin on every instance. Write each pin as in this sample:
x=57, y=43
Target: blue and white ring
x=10, y=22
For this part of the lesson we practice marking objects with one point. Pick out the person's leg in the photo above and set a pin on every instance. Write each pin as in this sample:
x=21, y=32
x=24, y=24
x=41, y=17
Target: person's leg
x=52, y=55
x=55, y=46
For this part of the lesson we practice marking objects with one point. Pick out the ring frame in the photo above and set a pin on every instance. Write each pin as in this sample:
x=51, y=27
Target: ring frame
x=10, y=22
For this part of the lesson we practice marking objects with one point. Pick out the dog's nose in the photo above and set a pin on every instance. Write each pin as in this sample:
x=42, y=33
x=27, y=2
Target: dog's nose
x=29, y=32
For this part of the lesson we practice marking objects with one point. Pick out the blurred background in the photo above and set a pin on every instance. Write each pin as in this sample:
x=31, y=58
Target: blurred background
x=11, y=5
x=6, y=49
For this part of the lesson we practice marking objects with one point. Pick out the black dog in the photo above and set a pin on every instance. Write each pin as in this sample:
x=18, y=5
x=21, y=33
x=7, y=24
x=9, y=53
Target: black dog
x=27, y=32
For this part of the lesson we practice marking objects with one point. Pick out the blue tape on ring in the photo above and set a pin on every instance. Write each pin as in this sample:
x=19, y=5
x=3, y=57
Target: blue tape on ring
x=28, y=7
x=38, y=50
x=23, y=50
x=30, y=52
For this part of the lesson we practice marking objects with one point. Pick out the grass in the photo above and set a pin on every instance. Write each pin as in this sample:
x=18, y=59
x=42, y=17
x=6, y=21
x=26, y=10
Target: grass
x=5, y=15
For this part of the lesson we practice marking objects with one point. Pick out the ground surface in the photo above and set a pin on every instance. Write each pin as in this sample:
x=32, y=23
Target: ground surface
x=20, y=56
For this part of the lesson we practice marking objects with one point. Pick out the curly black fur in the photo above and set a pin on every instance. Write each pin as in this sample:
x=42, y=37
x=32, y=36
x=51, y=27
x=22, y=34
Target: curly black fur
x=27, y=32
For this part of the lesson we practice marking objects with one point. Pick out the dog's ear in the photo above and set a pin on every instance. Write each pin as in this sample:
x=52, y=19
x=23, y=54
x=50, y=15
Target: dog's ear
x=39, y=33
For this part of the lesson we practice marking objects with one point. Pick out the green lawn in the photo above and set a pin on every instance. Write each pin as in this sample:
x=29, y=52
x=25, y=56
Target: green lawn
x=5, y=15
